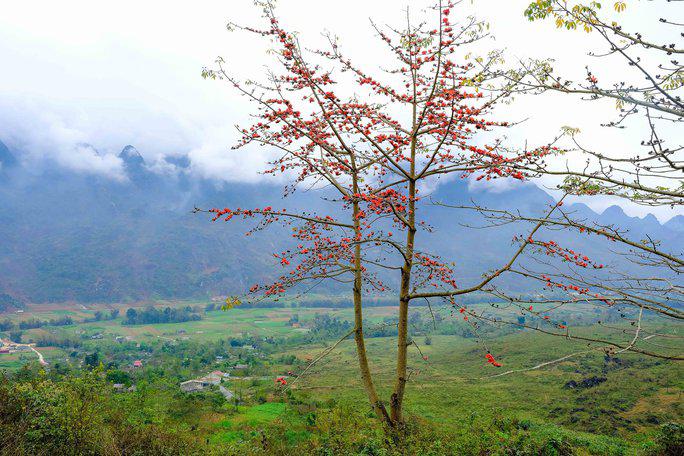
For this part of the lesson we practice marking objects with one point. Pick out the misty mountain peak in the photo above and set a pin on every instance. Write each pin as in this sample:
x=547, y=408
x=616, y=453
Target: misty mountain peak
x=614, y=211
x=130, y=154
x=6, y=158
x=650, y=218
x=676, y=223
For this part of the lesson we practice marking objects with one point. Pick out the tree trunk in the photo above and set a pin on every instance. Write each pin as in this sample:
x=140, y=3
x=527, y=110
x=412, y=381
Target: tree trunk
x=366, y=378
x=402, y=327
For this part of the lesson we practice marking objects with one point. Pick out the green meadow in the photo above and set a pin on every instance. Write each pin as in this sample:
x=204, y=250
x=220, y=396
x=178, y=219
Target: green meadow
x=452, y=390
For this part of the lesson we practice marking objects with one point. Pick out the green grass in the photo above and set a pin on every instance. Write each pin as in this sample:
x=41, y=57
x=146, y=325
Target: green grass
x=245, y=422
x=453, y=384
x=256, y=415
x=453, y=389
x=214, y=325
x=10, y=362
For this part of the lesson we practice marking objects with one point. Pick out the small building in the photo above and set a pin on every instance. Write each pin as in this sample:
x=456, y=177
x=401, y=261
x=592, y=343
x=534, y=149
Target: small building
x=4, y=350
x=97, y=336
x=211, y=379
x=194, y=385
x=118, y=386
x=137, y=363
x=241, y=366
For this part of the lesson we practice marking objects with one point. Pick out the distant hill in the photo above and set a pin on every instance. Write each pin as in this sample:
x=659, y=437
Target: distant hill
x=7, y=159
x=68, y=236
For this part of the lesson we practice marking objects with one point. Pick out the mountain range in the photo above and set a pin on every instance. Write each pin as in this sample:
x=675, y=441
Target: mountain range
x=67, y=236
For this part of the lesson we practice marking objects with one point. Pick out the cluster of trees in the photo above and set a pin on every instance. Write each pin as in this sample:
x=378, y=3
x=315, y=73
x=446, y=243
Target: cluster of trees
x=9, y=325
x=32, y=323
x=102, y=316
x=50, y=340
x=35, y=323
x=421, y=322
x=8, y=302
x=325, y=326
x=151, y=315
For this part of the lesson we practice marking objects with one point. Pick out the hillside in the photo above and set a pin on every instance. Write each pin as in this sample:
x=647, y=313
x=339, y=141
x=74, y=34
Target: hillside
x=69, y=236
x=589, y=404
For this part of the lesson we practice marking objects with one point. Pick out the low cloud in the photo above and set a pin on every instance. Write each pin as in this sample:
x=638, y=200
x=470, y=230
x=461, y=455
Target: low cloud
x=82, y=86
x=43, y=140
x=215, y=159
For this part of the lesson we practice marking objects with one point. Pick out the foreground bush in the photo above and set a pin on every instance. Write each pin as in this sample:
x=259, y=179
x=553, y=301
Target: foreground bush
x=80, y=415
x=77, y=416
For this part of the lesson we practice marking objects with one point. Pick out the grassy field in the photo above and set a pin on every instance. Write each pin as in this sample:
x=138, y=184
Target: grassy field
x=454, y=387
x=456, y=380
x=215, y=325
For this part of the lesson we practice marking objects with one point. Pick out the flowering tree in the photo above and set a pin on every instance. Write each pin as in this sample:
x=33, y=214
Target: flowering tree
x=648, y=93
x=372, y=144
x=648, y=100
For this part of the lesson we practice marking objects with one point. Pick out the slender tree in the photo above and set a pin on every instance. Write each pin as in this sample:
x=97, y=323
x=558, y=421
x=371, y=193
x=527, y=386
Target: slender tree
x=373, y=151
x=370, y=143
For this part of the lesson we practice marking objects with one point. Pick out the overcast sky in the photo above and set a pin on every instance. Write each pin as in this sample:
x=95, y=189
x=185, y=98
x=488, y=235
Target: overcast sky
x=110, y=74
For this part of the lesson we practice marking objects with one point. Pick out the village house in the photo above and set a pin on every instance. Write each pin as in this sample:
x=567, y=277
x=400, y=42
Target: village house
x=137, y=363
x=200, y=384
x=220, y=374
x=194, y=385
x=212, y=379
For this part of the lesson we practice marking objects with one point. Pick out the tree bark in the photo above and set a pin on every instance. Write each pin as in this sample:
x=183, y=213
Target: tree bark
x=366, y=377
x=402, y=327
x=397, y=398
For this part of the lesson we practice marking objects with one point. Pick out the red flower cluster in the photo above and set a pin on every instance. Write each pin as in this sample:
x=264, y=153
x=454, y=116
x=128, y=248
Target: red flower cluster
x=492, y=361
x=553, y=249
x=435, y=271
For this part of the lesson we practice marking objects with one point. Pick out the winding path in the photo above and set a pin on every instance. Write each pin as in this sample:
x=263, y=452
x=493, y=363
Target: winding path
x=41, y=358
